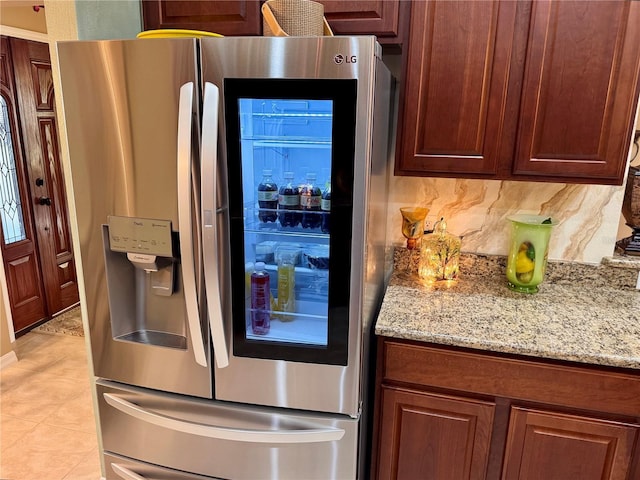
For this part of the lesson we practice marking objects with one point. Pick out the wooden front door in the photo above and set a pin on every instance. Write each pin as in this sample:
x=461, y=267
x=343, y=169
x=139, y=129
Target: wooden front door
x=19, y=248
x=43, y=185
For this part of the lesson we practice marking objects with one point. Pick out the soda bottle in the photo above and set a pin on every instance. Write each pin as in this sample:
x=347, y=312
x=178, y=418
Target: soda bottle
x=288, y=202
x=260, y=300
x=310, y=198
x=325, y=206
x=267, y=198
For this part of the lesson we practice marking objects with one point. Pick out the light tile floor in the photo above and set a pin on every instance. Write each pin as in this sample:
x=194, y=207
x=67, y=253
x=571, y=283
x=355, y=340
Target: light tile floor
x=47, y=427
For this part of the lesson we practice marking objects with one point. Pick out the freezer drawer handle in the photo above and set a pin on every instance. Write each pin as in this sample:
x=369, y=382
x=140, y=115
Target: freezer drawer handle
x=311, y=435
x=209, y=180
x=184, y=221
x=124, y=472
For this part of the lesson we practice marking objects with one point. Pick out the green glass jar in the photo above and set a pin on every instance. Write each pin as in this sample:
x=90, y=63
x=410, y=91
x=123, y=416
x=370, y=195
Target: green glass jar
x=528, y=251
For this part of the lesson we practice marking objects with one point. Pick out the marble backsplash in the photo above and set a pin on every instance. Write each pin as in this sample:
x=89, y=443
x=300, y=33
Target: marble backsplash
x=477, y=210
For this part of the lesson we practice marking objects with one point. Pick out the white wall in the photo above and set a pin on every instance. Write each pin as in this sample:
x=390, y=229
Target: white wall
x=103, y=20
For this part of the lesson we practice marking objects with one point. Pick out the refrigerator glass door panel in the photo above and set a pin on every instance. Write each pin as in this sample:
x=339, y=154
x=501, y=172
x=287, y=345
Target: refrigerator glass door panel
x=122, y=110
x=225, y=440
x=289, y=144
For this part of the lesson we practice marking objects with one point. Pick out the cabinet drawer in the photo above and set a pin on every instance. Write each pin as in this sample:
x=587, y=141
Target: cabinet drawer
x=118, y=468
x=225, y=440
x=589, y=388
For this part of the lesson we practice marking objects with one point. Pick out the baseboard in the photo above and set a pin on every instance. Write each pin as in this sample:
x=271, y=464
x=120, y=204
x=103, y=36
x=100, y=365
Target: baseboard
x=8, y=359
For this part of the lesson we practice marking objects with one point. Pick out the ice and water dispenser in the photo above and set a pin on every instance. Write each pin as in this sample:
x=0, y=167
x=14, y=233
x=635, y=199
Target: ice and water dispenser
x=146, y=301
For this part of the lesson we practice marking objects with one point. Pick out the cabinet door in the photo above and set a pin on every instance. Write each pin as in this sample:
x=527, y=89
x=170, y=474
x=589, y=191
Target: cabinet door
x=454, y=101
x=382, y=18
x=579, y=90
x=551, y=446
x=438, y=437
x=239, y=17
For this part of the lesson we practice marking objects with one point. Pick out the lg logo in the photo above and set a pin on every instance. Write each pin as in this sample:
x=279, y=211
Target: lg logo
x=339, y=59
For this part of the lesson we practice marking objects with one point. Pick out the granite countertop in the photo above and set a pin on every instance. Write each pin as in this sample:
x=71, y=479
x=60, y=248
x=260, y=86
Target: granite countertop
x=582, y=313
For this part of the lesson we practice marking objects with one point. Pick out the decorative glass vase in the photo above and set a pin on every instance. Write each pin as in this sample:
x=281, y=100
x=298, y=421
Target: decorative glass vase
x=528, y=251
x=413, y=224
x=439, y=256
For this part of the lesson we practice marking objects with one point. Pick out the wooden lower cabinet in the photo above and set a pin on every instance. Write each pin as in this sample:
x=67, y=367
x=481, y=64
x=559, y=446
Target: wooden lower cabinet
x=550, y=446
x=432, y=436
x=452, y=414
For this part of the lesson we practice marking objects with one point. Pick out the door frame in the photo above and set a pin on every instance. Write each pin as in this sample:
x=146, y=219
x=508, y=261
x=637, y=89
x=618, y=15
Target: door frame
x=36, y=37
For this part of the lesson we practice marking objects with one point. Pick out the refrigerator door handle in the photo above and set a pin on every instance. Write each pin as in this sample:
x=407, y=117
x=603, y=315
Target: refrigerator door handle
x=209, y=179
x=124, y=472
x=185, y=226
x=306, y=435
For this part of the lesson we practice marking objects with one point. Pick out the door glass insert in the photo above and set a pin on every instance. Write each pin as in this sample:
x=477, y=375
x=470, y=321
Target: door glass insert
x=10, y=202
x=290, y=143
x=286, y=157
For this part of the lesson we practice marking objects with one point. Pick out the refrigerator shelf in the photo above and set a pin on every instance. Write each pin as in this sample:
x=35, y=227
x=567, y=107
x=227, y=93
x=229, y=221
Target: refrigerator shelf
x=298, y=233
x=253, y=225
x=323, y=116
x=289, y=142
x=299, y=270
x=309, y=328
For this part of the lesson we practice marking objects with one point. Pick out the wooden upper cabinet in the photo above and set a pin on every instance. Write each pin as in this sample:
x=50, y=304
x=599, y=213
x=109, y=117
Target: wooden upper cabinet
x=383, y=18
x=580, y=83
x=531, y=90
x=455, y=94
x=233, y=18
x=549, y=446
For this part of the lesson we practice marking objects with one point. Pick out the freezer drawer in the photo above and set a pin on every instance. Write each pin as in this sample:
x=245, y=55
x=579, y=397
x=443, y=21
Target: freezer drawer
x=225, y=440
x=119, y=468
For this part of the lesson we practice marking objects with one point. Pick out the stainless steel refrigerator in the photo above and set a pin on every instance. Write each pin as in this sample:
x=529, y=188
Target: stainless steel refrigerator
x=230, y=196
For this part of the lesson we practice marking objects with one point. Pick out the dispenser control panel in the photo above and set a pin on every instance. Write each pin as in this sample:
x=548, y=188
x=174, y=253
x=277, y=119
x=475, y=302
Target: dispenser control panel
x=140, y=235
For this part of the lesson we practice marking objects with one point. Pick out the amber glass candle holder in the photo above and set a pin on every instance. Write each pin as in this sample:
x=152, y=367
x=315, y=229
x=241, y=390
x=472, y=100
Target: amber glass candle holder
x=413, y=224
